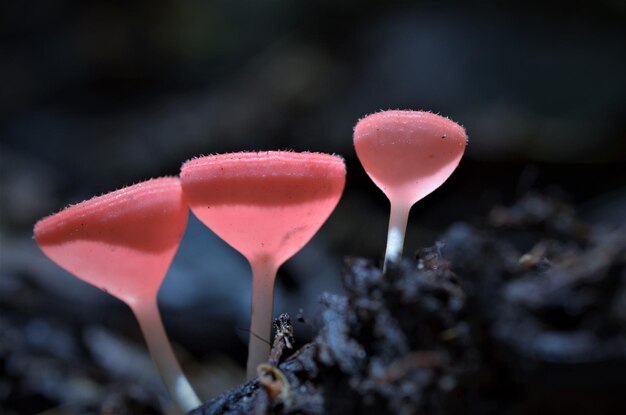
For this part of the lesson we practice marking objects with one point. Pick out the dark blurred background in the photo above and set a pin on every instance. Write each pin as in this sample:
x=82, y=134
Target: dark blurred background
x=101, y=94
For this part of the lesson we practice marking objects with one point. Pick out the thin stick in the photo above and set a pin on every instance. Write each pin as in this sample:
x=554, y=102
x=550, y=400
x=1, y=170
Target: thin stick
x=397, y=229
x=263, y=278
x=181, y=392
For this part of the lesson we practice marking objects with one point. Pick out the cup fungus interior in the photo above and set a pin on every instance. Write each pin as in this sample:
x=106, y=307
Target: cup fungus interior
x=408, y=154
x=122, y=242
x=265, y=204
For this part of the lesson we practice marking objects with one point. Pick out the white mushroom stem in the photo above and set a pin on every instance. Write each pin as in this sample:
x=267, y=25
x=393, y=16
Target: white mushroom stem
x=263, y=278
x=181, y=392
x=398, y=219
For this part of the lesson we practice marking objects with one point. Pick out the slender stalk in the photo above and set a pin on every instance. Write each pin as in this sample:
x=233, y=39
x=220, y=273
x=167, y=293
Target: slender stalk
x=181, y=392
x=398, y=218
x=263, y=278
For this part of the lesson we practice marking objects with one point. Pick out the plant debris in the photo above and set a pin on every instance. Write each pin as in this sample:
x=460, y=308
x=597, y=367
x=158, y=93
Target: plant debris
x=395, y=344
x=522, y=312
x=517, y=313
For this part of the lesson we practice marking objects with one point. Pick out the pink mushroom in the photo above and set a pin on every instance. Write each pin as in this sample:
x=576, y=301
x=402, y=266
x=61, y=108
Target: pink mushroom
x=123, y=243
x=407, y=154
x=267, y=205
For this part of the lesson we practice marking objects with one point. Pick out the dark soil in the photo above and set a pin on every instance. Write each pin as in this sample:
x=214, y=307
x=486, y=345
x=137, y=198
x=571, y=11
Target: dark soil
x=522, y=313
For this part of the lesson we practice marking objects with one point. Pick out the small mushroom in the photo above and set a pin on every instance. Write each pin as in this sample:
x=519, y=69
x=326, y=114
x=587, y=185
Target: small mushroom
x=123, y=242
x=407, y=154
x=267, y=205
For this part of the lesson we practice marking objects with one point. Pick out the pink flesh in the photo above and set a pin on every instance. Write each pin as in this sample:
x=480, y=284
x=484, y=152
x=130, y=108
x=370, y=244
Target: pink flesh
x=267, y=205
x=408, y=154
x=122, y=242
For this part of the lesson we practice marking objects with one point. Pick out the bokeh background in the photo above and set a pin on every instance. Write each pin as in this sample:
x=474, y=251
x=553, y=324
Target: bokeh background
x=101, y=94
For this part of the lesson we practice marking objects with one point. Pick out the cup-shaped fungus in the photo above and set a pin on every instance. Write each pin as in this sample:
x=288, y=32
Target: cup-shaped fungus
x=123, y=242
x=266, y=205
x=407, y=154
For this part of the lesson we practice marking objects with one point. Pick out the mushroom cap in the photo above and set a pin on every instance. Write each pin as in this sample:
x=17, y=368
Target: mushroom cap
x=122, y=242
x=268, y=204
x=408, y=154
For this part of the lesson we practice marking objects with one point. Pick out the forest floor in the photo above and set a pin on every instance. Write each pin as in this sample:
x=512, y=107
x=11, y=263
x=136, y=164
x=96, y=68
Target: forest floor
x=523, y=311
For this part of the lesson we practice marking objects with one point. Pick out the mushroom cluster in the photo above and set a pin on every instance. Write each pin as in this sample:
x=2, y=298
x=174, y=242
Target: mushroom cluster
x=266, y=205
